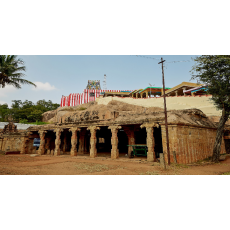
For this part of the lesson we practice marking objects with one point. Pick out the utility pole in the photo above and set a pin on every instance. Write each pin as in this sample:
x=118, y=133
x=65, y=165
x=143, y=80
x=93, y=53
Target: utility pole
x=166, y=122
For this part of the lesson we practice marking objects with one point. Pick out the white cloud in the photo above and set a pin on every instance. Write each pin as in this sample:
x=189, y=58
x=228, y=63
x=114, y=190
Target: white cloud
x=44, y=86
x=4, y=92
x=2, y=102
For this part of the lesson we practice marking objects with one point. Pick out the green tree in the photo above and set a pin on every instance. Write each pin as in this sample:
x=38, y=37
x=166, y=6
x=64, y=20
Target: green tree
x=27, y=111
x=214, y=70
x=45, y=106
x=4, y=112
x=35, y=115
x=16, y=104
x=27, y=104
x=12, y=71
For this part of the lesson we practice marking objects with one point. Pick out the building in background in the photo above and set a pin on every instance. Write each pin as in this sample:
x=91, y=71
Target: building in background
x=91, y=92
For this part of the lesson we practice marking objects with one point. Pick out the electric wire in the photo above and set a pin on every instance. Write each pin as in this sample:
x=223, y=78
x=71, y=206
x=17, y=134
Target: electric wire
x=142, y=56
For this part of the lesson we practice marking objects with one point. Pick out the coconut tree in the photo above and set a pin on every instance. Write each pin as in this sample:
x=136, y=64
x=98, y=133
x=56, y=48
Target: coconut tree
x=11, y=71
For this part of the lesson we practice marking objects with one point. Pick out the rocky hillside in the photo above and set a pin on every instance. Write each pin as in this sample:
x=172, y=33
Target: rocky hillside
x=122, y=113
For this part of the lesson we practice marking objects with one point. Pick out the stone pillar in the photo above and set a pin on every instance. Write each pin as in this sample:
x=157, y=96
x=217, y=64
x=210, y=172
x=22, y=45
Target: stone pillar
x=93, y=140
x=4, y=144
x=41, y=149
x=73, y=151
x=57, y=150
x=114, y=141
x=23, y=147
x=150, y=144
x=151, y=156
x=176, y=92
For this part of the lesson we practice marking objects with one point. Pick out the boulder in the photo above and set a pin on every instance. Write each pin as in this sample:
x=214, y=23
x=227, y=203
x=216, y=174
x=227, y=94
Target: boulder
x=48, y=115
x=222, y=157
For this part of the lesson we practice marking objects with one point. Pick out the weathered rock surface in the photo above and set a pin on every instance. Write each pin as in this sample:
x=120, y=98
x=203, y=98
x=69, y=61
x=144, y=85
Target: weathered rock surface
x=123, y=113
x=47, y=116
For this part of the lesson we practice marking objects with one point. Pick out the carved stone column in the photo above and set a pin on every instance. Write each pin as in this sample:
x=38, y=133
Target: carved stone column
x=93, y=140
x=41, y=149
x=57, y=150
x=73, y=151
x=150, y=144
x=114, y=141
x=151, y=156
x=23, y=147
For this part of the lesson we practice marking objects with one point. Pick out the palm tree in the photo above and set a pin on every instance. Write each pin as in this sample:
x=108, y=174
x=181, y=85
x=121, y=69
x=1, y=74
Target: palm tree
x=11, y=71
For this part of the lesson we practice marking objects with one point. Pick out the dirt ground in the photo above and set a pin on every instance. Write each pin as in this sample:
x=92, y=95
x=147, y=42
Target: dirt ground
x=102, y=165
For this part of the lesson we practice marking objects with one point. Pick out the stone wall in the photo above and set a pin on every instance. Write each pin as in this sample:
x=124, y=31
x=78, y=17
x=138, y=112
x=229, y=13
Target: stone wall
x=190, y=143
x=1, y=144
x=12, y=143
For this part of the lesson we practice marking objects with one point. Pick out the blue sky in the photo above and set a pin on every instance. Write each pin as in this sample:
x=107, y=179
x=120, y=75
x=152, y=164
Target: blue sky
x=58, y=75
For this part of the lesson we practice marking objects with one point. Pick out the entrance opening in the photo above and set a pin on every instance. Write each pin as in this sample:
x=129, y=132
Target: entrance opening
x=140, y=136
x=30, y=147
x=158, y=141
x=51, y=136
x=66, y=141
x=104, y=140
x=122, y=141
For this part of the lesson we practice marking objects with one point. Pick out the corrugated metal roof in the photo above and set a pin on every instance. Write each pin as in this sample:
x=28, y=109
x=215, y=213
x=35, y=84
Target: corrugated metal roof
x=19, y=125
x=153, y=88
x=183, y=84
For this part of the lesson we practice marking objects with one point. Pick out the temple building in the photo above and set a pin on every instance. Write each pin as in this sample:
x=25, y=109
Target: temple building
x=111, y=129
x=115, y=121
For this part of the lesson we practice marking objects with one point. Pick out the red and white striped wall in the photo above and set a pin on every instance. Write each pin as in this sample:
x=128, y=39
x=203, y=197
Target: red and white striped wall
x=72, y=100
x=88, y=95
